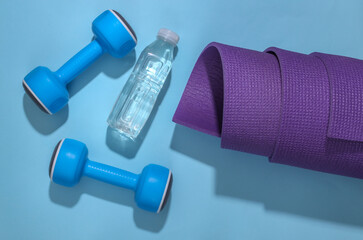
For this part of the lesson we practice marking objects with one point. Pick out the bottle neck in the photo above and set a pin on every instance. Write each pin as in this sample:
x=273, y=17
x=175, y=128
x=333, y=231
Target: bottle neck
x=164, y=42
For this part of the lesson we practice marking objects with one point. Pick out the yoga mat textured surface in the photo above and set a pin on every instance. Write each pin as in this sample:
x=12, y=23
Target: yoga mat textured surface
x=297, y=109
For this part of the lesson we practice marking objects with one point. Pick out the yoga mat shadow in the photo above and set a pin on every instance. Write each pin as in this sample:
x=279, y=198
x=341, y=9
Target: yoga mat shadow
x=278, y=187
x=69, y=197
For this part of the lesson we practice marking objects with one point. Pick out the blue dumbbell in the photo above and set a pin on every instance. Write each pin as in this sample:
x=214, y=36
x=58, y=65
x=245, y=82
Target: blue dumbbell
x=69, y=162
x=48, y=89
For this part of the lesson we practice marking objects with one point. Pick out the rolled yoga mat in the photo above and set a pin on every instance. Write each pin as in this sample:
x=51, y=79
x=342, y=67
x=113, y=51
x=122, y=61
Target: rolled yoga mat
x=297, y=109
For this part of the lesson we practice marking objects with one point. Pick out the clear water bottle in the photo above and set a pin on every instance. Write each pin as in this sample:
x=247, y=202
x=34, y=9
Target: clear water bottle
x=138, y=97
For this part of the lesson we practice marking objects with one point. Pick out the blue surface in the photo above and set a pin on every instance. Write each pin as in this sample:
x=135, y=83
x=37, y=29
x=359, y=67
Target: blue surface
x=217, y=194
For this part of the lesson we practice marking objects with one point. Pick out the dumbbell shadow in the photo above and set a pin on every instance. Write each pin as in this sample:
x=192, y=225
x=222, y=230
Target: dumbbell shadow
x=110, y=66
x=41, y=121
x=69, y=197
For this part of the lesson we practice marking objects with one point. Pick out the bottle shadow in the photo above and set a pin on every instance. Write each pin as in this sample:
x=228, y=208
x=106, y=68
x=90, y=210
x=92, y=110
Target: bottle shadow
x=112, y=67
x=129, y=148
x=279, y=188
x=68, y=197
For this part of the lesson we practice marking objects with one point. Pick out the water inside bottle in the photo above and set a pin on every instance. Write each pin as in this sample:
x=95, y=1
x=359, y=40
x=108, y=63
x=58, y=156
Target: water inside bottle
x=139, y=94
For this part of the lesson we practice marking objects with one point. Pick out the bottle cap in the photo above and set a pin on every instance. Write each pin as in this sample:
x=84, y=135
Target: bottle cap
x=168, y=35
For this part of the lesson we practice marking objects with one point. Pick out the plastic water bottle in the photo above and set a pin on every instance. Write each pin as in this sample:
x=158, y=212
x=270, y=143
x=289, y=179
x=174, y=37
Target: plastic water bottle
x=138, y=97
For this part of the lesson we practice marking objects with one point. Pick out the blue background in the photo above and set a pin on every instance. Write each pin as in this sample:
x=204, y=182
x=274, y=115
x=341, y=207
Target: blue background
x=217, y=194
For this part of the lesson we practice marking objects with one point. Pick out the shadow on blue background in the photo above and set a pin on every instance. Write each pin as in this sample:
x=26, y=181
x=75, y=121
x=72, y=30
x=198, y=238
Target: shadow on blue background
x=279, y=188
x=41, y=121
x=112, y=67
x=68, y=197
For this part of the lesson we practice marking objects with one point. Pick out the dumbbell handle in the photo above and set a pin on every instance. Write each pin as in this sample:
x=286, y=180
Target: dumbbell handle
x=79, y=62
x=111, y=175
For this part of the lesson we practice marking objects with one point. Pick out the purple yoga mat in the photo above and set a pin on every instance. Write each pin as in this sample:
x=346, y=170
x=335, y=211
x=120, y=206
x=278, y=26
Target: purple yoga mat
x=296, y=109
